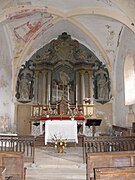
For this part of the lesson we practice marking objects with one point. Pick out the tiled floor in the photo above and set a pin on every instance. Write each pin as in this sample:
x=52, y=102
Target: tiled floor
x=50, y=165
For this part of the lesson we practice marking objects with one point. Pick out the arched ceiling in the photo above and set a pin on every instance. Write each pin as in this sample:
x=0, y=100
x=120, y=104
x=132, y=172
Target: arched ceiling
x=98, y=24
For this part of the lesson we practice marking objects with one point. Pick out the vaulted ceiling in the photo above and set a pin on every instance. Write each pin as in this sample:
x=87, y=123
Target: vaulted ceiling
x=27, y=25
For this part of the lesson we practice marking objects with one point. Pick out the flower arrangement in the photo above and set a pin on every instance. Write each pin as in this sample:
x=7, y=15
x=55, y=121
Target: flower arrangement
x=59, y=144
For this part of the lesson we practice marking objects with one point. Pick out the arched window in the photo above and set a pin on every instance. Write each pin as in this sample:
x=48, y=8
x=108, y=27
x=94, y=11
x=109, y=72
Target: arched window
x=129, y=79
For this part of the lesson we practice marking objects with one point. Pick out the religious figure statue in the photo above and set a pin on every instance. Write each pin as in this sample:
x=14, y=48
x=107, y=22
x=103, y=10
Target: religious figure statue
x=24, y=88
x=102, y=86
x=64, y=77
x=25, y=84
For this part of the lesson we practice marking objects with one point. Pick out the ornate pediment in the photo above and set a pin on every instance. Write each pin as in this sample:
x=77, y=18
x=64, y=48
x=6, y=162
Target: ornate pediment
x=64, y=49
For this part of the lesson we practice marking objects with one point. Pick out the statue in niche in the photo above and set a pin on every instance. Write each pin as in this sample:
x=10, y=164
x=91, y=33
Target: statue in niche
x=101, y=85
x=24, y=88
x=25, y=84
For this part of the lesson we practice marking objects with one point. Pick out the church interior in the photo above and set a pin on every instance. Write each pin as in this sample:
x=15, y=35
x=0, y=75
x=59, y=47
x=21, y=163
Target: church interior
x=67, y=73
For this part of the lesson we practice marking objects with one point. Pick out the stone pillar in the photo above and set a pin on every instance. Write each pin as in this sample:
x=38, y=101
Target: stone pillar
x=90, y=86
x=36, y=87
x=82, y=86
x=44, y=87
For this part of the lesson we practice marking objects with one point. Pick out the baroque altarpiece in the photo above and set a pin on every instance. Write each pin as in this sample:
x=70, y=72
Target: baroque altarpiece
x=63, y=70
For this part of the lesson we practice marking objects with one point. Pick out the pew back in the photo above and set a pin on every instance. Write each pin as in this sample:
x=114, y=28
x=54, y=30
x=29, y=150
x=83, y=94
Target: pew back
x=115, y=173
x=14, y=164
x=108, y=159
x=25, y=144
x=107, y=144
x=122, y=131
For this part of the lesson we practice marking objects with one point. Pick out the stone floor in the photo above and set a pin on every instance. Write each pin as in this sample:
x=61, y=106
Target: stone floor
x=50, y=165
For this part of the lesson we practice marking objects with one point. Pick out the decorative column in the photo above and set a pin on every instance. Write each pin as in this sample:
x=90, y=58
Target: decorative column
x=82, y=86
x=76, y=95
x=90, y=86
x=44, y=87
x=57, y=93
x=36, y=87
x=49, y=88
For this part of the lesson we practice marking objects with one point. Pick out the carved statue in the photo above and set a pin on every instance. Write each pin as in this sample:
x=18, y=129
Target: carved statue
x=25, y=84
x=102, y=86
x=24, y=88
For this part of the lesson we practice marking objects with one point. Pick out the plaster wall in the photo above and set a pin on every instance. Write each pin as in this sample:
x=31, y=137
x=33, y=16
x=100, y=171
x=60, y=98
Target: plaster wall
x=6, y=104
x=126, y=47
x=104, y=112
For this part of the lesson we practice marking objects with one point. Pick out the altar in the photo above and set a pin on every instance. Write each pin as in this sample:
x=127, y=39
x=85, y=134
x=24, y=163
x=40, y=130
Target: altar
x=65, y=130
x=60, y=127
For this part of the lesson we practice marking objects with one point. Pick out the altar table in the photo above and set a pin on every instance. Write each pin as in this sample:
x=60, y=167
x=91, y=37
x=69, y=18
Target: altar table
x=37, y=125
x=64, y=129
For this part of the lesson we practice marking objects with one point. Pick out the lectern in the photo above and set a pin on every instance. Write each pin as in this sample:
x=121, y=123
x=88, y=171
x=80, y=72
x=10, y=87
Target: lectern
x=93, y=123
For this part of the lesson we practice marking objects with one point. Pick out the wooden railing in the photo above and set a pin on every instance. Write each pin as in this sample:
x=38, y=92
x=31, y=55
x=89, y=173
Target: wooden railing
x=107, y=144
x=25, y=144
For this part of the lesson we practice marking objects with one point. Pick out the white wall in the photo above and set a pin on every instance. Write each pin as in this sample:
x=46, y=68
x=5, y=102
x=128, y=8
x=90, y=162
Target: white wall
x=126, y=47
x=6, y=105
x=129, y=79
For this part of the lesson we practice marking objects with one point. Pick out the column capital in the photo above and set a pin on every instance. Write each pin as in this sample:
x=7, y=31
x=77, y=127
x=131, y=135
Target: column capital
x=82, y=72
x=90, y=73
x=36, y=72
x=44, y=71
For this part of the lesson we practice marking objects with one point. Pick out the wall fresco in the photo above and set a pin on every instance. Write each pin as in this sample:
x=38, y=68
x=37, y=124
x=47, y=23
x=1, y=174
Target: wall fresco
x=3, y=82
x=26, y=30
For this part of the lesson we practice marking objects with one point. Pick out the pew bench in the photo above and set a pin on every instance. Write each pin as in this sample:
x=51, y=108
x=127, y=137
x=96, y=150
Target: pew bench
x=108, y=159
x=122, y=131
x=114, y=173
x=107, y=144
x=25, y=144
x=14, y=165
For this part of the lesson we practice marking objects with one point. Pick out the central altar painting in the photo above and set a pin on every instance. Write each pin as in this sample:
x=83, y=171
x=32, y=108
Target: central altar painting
x=63, y=85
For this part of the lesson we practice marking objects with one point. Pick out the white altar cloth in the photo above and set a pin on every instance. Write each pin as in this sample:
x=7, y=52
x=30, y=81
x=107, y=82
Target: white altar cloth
x=64, y=129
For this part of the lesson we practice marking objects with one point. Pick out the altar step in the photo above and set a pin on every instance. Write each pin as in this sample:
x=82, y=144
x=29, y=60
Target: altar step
x=40, y=141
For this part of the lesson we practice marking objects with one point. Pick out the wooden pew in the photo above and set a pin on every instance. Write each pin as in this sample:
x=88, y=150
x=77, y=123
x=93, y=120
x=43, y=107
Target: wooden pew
x=14, y=164
x=115, y=173
x=107, y=144
x=2, y=172
x=108, y=159
x=25, y=144
x=122, y=131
